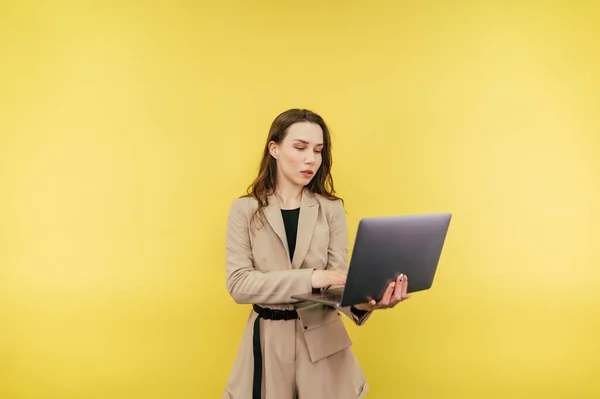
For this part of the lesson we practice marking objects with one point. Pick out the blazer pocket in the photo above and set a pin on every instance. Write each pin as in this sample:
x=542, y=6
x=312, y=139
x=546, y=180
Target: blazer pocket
x=324, y=331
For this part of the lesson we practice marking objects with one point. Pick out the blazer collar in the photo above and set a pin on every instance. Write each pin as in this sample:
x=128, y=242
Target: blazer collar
x=309, y=211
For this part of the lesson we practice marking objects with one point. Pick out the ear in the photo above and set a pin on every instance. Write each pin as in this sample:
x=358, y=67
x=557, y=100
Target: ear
x=273, y=149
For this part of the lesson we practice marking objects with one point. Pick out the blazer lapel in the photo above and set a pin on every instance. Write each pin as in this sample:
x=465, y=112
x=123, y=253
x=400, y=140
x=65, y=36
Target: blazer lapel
x=309, y=211
x=273, y=215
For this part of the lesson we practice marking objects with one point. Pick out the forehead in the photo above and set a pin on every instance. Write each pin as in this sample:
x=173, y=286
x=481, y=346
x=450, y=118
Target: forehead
x=305, y=131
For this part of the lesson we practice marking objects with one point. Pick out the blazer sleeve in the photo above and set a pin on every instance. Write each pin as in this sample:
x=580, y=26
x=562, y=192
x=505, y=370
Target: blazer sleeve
x=338, y=256
x=248, y=285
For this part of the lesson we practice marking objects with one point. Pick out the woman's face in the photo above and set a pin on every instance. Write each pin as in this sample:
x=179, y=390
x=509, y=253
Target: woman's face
x=298, y=156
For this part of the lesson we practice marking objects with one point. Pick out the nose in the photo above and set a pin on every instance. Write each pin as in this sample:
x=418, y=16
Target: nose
x=310, y=159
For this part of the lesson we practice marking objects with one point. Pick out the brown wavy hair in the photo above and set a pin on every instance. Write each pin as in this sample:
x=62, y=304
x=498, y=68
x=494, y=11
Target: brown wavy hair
x=266, y=181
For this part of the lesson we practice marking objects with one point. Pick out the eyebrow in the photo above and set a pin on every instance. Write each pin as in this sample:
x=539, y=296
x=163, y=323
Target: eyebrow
x=306, y=142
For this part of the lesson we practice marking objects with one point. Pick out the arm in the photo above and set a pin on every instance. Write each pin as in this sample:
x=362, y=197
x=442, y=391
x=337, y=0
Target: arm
x=338, y=257
x=244, y=283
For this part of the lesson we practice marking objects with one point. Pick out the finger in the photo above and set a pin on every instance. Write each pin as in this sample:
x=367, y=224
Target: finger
x=398, y=290
x=338, y=279
x=366, y=306
x=387, y=296
x=405, y=294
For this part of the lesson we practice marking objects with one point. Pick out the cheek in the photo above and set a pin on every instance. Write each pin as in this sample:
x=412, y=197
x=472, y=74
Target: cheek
x=289, y=162
x=294, y=159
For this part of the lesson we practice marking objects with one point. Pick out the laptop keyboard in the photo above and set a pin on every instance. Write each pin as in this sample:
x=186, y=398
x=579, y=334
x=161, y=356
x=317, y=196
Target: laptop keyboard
x=332, y=297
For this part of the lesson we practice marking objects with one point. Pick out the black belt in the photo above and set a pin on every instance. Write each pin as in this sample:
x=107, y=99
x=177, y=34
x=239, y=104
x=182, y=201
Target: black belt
x=267, y=314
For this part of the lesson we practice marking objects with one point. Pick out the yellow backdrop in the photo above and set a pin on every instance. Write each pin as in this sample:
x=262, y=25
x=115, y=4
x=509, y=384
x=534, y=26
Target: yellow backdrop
x=126, y=130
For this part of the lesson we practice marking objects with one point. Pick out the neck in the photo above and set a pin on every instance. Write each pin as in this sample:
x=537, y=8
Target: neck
x=289, y=196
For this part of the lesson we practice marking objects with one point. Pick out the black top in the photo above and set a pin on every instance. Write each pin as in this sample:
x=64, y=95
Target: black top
x=290, y=221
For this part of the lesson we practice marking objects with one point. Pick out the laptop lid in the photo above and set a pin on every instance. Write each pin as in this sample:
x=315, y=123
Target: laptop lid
x=385, y=247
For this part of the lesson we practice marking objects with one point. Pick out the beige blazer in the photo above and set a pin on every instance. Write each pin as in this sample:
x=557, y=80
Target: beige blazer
x=259, y=271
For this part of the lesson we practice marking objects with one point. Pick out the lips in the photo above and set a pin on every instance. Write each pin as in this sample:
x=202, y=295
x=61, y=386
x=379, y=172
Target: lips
x=307, y=173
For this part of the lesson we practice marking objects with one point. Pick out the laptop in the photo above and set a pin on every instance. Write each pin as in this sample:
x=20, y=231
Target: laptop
x=384, y=248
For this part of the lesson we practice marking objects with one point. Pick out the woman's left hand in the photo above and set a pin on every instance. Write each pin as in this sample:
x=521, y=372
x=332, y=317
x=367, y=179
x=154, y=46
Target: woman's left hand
x=394, y=294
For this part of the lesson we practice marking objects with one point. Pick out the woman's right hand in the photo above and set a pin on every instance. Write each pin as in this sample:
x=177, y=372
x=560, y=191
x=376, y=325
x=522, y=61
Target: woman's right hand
x=326, y=278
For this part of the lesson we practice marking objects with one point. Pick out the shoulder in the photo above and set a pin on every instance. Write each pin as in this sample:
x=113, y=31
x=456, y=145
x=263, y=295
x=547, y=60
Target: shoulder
x=245, y=201
x=243, y=206
x=330, y=207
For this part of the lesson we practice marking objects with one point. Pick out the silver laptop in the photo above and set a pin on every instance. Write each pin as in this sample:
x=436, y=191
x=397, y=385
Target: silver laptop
x=384, y=248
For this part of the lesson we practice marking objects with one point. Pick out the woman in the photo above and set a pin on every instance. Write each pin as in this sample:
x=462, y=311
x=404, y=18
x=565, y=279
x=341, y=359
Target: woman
x=289, y=235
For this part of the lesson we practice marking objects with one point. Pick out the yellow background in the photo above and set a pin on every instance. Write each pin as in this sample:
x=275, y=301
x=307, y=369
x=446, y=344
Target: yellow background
x=126, y=130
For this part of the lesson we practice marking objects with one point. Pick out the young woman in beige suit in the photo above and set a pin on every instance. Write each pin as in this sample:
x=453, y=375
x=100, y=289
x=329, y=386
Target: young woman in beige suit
x=289, y=235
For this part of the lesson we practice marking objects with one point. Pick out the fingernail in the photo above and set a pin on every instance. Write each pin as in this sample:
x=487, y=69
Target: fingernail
x=393, y=284
x=401, y=276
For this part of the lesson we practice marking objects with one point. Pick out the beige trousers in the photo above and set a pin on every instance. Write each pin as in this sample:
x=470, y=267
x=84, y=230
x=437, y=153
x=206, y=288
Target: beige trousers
x=288, y=372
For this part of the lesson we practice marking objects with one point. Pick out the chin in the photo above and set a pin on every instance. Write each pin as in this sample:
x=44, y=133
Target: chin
x=306, y=183
x=302, y=182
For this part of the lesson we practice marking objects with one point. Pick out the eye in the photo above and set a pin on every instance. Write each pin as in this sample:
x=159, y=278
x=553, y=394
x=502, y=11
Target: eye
x=300, y=148
x=318, y=151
